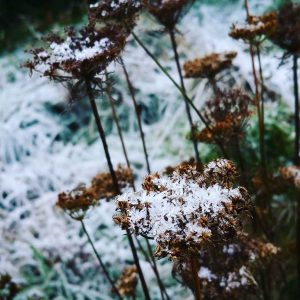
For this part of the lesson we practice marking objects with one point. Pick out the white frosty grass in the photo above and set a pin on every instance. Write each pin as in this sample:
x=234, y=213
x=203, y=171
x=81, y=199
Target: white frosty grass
x=34, y=168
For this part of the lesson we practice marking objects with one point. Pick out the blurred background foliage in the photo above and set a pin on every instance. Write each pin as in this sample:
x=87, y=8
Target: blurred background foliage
x=21, y=20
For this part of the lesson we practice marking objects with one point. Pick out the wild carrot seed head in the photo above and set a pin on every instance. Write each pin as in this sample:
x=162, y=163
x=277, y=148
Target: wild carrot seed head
x=78, y=201
x=168, y=12
x=229, y=270
x=256, y=28
x=227, y=115
x=128, y=281
x=80, y=55
x=184, y=210
x=209, y=66
x=287, y=30
x=121, y=13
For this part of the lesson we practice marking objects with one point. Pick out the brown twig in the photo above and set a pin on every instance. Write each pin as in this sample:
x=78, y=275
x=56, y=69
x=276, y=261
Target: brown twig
x=187, y=105
x=138, y=114
x=119, y=129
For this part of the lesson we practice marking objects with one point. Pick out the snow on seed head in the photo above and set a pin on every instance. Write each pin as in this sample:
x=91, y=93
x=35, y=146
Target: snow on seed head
x=181, y=211
x=122, y=13
x=80, y=55
x=168, y=12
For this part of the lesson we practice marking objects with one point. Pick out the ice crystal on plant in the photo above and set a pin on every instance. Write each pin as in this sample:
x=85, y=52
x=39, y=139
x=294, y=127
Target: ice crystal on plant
x=122, y=13
x=81, y=55
x=206, y=273
x=185, y=209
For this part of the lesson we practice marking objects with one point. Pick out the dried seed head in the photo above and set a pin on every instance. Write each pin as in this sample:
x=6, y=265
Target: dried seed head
x=227, y=115
x=168, y=12
x=79, y=56
x=257, y=27
x=229, y=270
x=127, y=283
x=221, y=171
x=291, y=174
x=185, y=209
x=77, y=202
x=115, y=12
x=287, y=30
x=103, y=186
x=209, y=66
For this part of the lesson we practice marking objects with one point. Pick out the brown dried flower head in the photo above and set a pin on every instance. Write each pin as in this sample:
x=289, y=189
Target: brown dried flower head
x=287, y=30
x=168, y=12
x=209, y=66
x=291, y=174
x=256, y=29
x=184, y=210
x=78, y=201
x=80, y=56
x=230, y=270
x=128, y=281
x=227, y=115
x=115, y=12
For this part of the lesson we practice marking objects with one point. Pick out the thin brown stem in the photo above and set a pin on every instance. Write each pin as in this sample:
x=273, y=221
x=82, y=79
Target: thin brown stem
x=150, y=259
x=262, y=90
x=258, y=106
x=190, y=101
x=197, y=283
x=138, y=114
x=102, y=135
x=116, y=120
x=155, y=270
x=138, y=266
x=105, y=271
x=297, y=155
x=187, y=105
x=297, y=119
x=116, y=185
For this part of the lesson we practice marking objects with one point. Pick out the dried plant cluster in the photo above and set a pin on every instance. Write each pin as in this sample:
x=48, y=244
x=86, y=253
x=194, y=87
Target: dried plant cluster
x=209, y=66
x=121, y=13
x=168, y=12
x=186, y=209
x=128, y=281
x=256, y=28
x=230, y=270
x=78, y=201
x=287, y=30
x=291, y=174
x=81, y=55
x=227, y=114
x=195, y=212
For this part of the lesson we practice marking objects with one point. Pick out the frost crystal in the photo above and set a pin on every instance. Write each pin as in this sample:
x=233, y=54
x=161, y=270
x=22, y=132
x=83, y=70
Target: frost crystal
x=79, y=54
x=184, y=209
x=206, y=273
